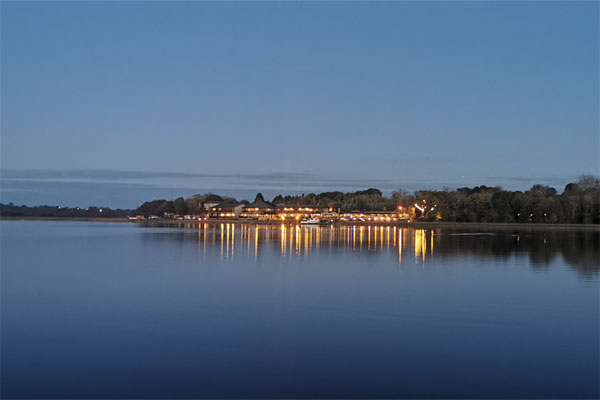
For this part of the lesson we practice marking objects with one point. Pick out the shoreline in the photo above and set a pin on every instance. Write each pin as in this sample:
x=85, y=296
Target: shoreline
x=90, y=219
x=417, y=225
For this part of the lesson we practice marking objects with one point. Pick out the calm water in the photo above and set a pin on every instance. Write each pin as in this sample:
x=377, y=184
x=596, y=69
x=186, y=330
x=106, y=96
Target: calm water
x=117, y=310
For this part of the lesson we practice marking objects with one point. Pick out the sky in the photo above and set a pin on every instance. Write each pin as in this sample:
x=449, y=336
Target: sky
x=112, y=104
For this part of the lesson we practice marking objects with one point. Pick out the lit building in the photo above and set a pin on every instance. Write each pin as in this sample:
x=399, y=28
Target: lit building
x=259, y=210
x=376, y=216
x=226, y=209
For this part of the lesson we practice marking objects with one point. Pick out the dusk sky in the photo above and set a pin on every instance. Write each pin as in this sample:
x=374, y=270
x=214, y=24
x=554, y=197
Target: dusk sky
x=114, y=104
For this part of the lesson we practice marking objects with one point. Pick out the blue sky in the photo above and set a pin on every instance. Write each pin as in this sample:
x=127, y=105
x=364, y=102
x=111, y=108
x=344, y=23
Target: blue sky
x=114, y=103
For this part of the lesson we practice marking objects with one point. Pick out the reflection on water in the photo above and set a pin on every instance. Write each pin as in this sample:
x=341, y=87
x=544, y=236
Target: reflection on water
x=579, y=249
x=95, y=310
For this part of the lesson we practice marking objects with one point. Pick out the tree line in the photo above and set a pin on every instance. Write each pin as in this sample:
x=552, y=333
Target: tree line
x=193, y=205
x=578, y=203
x=11, y=210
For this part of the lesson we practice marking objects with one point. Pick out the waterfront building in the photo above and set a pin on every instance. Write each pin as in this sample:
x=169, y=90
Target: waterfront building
x=226, y=209
x=259, y=209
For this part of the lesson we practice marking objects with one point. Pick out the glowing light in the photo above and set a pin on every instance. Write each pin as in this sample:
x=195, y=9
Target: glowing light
x=283, y=239
x=400, y=242
x=431, y=243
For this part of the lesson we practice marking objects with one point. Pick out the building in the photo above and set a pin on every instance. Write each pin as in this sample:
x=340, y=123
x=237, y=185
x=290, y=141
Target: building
x=376, y=216
x=209, y=204
x=292, y=211
x=259, y=209
x=226, y=209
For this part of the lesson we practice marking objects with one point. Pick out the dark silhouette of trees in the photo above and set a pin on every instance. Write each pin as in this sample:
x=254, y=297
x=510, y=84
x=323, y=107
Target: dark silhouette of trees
x=156, y=207
x=370, y=199
x=278, y=199
x=505, y=206
x=181, y=207
x=194, y=206
x=11, y=210
x=579, y=203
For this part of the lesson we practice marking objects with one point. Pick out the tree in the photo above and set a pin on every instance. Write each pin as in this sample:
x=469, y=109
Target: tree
x=588, y=182
x=403, y=197
x=156, y=207
x=181, y=207
x=193, y=206
x=278, y=199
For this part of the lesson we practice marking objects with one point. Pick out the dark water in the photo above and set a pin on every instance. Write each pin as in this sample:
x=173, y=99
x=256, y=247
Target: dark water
x=120, y=311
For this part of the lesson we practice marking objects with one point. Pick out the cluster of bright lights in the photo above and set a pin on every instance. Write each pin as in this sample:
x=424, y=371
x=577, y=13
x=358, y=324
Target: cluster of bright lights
x=298, y=213
x=423, y=207
x=382, y=219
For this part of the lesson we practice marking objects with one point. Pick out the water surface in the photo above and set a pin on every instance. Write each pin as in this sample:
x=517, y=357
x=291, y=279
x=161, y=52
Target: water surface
x=230, y=310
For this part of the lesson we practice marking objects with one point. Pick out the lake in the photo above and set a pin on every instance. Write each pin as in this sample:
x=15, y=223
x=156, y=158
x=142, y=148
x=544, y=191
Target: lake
x=117, y=310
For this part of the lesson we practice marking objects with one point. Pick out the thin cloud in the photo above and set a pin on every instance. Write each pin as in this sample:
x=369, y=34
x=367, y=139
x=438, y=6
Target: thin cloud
x=519, y=181
x=244, y=179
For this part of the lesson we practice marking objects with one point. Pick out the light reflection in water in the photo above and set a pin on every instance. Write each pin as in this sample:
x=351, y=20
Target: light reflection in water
x=400, y=243
x=388, y=237
x=227, y=254
x=300, y=241
x=283, y=241
x=431, y=246
x=579, y=249
x=418, y=245
x=255, y=243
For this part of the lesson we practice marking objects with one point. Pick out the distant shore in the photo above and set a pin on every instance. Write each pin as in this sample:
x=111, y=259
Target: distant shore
x=91, y=219
x=418, y=225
